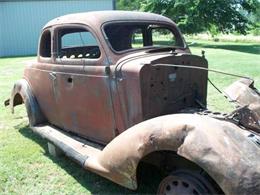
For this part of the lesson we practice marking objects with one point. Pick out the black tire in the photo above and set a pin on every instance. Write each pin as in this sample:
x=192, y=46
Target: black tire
x=187, y=182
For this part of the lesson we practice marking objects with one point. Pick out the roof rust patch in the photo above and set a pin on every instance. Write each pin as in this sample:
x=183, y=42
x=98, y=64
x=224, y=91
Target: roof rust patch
x=100, y=17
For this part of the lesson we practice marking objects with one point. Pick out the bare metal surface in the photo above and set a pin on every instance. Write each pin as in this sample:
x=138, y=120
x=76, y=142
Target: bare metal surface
x=208, y=70
x=78, y=151
x=247, y=98
x=215, y=145
x=97, y=18
x=22, y=93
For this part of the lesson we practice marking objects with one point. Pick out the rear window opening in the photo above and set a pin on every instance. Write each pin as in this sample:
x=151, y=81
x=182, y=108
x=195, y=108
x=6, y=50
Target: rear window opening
x=77, y=43
x=127, y=36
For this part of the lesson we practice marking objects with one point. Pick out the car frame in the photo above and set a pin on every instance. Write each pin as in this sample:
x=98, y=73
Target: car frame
x=153, y=98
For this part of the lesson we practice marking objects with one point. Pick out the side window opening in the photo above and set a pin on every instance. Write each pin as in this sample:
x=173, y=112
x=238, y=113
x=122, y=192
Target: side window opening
x=137, y=38
x=137, y=35
x=123, y=37
x=45, y=44
x=77, y=43
x=162, y=37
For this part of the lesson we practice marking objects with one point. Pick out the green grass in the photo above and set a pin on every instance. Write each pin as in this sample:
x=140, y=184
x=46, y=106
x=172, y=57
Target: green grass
x=249, y=38
x=237, y=58
x=27, y=168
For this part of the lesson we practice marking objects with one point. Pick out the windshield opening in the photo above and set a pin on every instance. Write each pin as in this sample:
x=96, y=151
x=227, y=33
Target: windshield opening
x=126, y=36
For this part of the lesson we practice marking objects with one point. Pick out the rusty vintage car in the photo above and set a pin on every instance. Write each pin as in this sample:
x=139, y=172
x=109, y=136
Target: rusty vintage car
x=112, y=89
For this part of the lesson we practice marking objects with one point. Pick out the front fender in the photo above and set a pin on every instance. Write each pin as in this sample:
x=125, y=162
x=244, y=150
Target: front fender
x=22, y=93
x=220, y=148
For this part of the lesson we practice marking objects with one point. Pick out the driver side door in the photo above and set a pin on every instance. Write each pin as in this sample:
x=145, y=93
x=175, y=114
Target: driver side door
x=83, y=88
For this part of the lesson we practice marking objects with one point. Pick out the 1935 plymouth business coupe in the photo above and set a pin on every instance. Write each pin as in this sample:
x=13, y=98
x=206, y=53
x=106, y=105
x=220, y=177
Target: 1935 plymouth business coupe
x=112, y=89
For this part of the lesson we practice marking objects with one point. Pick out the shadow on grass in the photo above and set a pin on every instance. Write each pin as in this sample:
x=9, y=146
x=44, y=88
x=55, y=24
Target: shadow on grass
x=92, y=182
x=246, y=48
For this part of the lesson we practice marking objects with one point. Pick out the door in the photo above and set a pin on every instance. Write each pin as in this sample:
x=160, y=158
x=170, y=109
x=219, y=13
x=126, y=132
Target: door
x=82, y=86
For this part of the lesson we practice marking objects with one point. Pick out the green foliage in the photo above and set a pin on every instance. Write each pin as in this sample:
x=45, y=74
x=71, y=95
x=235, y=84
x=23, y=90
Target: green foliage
x=194, y=16
x=130, y=5
x=257, y=14
x=213, y=30
x=256, y=31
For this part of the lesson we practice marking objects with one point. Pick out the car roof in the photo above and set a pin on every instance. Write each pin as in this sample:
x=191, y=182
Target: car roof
x=97, y=18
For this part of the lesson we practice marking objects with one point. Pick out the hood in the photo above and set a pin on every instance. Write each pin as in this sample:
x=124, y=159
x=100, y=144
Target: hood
x=152, y=54
x=160, y=83
x=247, y=99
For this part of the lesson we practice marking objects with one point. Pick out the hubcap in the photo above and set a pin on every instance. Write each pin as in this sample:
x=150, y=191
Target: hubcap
x=181, y=184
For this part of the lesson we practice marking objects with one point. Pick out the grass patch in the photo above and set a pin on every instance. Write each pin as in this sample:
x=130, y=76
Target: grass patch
x=226, y=38
x=27, y=168
x=238, y=58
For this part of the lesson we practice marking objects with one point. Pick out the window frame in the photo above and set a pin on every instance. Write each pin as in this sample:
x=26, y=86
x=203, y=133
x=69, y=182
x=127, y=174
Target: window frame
x=143, y=39
x=42, y=58
x=170, y=26
x=75, y=61
x=159, y=27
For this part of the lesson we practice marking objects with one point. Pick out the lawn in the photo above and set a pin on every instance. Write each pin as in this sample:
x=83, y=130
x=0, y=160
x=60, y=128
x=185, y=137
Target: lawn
x=27, y=168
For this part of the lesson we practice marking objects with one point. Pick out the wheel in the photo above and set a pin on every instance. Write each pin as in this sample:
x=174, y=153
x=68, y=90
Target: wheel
x=186, y=182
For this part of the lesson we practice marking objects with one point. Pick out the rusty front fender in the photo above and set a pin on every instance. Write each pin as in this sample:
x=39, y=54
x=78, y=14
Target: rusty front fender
x=22, y=93
x=220, y=148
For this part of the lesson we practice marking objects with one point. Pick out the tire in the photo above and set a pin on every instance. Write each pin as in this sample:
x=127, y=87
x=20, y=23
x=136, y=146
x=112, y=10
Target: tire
x=186, y=182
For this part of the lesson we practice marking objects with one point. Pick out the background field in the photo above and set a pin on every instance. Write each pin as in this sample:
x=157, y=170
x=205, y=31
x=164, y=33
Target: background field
x=27, y=168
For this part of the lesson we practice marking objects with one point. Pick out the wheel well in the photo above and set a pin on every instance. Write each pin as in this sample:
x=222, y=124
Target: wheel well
x=165, y=162
x=17, y=100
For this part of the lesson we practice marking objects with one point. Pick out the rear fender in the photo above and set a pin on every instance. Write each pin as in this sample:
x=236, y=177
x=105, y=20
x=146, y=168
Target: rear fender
x=220, y=148
x=22, y=93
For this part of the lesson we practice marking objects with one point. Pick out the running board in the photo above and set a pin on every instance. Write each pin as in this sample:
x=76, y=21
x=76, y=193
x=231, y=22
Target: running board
x=74, y=147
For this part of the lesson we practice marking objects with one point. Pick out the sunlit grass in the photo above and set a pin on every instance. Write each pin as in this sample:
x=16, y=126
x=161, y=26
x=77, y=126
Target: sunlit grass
x=237, y=58
x=226, y=38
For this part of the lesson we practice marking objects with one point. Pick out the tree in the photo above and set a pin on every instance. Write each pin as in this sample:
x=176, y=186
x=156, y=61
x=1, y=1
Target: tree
x=194, y=16
x=131, y=5
x=255, y=18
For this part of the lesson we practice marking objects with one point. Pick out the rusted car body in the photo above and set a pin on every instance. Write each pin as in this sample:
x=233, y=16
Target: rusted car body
x=126, y=97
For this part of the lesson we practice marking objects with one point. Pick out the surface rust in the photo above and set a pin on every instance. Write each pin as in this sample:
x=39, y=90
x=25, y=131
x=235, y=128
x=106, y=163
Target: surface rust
x=220, y=147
